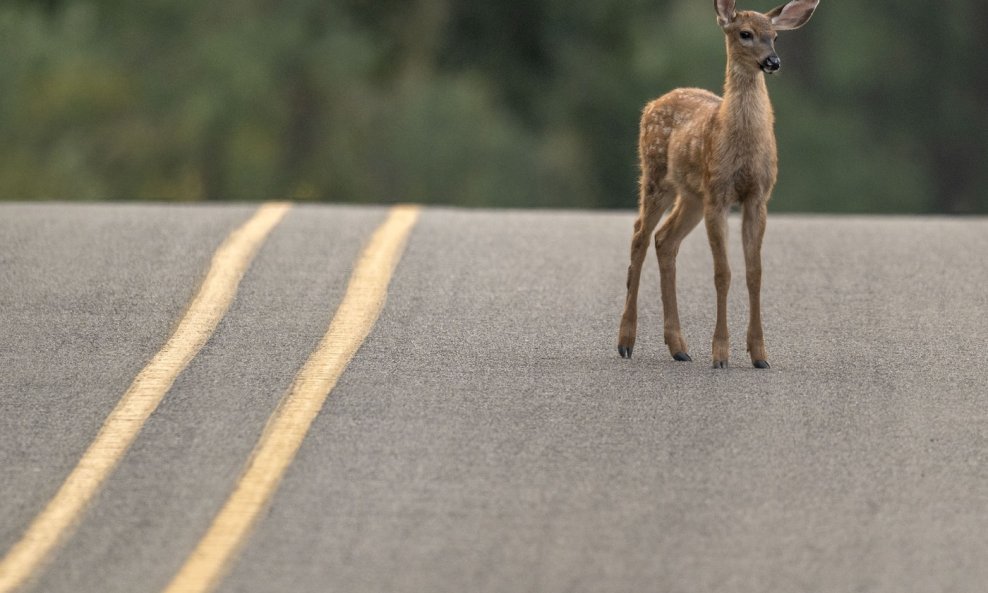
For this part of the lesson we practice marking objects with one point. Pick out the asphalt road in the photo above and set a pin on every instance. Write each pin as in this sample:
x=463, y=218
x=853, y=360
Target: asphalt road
x=487, y=437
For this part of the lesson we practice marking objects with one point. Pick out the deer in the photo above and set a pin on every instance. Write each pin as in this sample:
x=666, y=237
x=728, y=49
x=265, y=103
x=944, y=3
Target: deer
x=700, y=155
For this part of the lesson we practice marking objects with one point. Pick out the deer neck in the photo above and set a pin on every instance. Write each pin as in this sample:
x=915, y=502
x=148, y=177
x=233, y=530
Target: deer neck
x=746, y=111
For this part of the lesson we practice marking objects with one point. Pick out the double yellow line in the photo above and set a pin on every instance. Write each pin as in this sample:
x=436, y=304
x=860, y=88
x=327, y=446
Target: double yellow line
x=356, y=315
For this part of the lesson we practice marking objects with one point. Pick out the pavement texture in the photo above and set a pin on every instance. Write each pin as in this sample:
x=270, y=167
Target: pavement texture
x=487, y=437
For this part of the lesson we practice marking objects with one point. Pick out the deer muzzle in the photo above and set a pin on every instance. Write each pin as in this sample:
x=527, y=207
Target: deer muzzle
x=771, y=64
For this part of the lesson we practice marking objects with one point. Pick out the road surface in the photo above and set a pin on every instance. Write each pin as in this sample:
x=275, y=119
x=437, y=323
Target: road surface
x=487, y=437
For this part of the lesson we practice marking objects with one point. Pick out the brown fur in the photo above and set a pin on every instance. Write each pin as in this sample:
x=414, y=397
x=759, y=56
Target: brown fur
x=700, y=155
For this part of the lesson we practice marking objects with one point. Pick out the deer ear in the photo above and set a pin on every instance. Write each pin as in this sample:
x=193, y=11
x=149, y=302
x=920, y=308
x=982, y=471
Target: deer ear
x=725, y=12
x=793, y=15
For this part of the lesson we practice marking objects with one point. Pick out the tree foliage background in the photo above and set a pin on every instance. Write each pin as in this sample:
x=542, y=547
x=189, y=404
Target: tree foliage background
x=880, y=105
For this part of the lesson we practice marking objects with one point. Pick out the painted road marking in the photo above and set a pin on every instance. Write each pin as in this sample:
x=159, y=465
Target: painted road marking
x=121, y=427
x=288, y=425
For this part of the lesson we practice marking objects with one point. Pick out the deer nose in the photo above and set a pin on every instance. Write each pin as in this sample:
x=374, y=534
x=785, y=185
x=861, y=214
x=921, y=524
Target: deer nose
x=772, y=64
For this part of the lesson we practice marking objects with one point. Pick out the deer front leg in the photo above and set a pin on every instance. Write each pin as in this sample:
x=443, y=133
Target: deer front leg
x=684, y=217
x=752, y=233
x=716, y=219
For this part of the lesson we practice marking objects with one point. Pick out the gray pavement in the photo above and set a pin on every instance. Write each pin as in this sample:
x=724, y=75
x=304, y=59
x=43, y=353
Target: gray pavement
x=487, y=437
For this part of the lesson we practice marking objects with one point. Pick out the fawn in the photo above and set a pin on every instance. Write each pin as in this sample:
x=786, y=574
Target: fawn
x=701, y=154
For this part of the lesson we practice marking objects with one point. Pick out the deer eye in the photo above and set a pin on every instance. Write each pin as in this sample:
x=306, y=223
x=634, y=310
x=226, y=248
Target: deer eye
x=747, y=35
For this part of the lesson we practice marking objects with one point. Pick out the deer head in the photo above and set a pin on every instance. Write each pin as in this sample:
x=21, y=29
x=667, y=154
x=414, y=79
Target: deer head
x=751, y=35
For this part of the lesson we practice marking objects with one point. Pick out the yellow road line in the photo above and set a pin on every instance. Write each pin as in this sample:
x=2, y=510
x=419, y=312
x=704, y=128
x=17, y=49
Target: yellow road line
x=149, y=387
x=287, y=427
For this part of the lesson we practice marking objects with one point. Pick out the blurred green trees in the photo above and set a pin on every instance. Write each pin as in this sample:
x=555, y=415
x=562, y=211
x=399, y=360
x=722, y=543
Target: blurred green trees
x=881, y=106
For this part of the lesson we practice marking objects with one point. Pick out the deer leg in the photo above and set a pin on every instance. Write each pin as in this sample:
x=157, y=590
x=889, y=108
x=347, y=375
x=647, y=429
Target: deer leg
x=716, y=219
x=752, y=233
x=649, y=214
x=685, y=215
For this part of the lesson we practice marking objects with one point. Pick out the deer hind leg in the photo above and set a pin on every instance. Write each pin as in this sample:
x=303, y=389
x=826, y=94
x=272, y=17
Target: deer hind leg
x=752, y=233
x=653, y=202
x=716, y=219
x=685, y=215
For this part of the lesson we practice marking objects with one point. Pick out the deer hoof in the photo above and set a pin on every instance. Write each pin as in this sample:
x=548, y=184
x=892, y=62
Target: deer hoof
x=761, y=364
x=682, y=357
x=720, y=364
x=625, y=351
